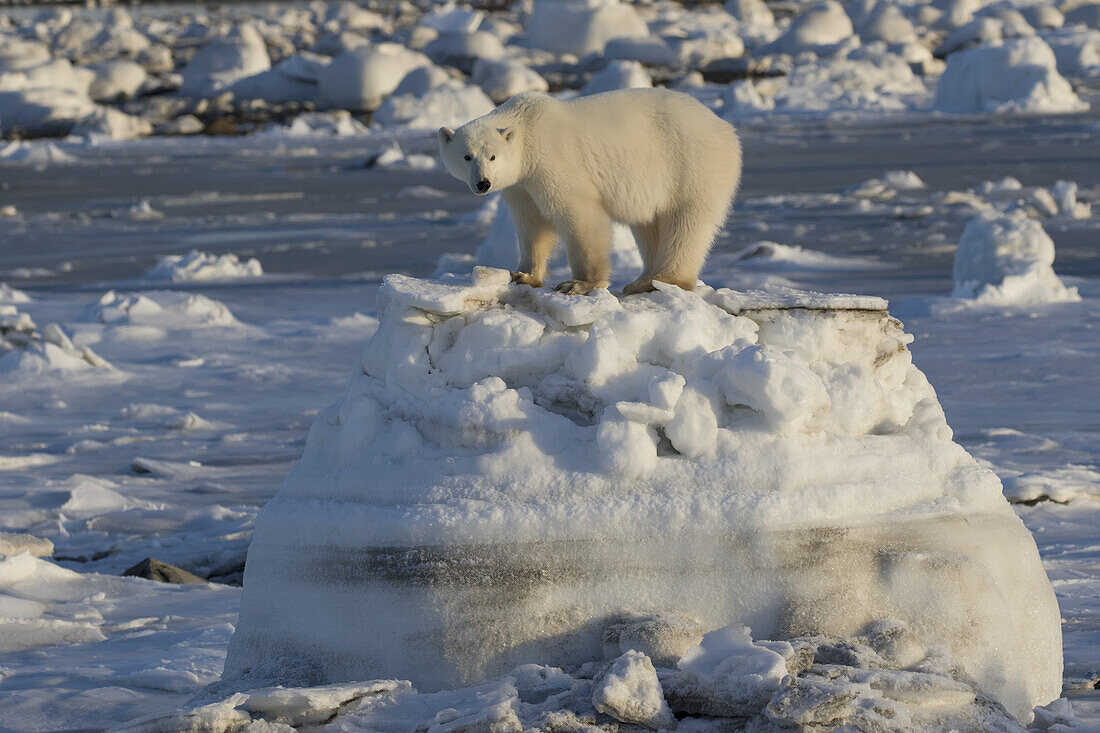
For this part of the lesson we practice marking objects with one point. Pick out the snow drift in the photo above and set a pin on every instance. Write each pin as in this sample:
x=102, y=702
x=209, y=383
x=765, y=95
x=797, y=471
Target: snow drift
x=1019, y=76
x=513, y=471
x=1007, y=259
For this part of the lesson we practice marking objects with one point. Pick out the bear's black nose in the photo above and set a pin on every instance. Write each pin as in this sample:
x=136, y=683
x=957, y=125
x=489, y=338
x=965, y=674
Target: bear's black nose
x=483, y=185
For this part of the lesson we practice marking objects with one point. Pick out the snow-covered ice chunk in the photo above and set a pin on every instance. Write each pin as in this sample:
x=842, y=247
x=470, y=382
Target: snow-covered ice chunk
x=903, y=180
x=1007, y=259
x=502, y=483
x=618, y=75
x=43, y=111
x=11, y=295
x=887, y=22
x=728, y=675
x=225, y=60
x=819, y=27
x=159, y=310
x=392, y=156
x=866, y=79
x=451, y=18
x=16, y=543
x=334, y=123
x=461, y=49
x=580, y=27
x=198, y=266
x=24, y=351
x=504, y=79
x=361, y=78
x=115, y=80
x=1020, y=75
x=630, y=692
x=452, y=104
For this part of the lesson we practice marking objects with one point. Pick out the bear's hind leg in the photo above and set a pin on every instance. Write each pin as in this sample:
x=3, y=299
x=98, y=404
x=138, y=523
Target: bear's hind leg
x=648, y=239
x=587, y=235
x=685, y=240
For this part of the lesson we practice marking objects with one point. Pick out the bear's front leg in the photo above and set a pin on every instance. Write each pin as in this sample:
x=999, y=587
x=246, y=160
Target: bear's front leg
x=526, y=278
x=535, y=234
x=587, y=234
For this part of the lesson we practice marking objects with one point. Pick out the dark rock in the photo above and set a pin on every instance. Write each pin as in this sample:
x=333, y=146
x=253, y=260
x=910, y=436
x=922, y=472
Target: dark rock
x=153, y=569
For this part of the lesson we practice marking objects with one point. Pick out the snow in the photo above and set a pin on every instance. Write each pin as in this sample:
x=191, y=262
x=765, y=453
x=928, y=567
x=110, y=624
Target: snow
x=116, y=80
x=502, y=80
x=1019, y=75
x=451, y=105
x=361, y=78
x=735, y=676
x=596, y=425
x=580, y=27
x=822, y=25
x=828, y=61
x=462, y=49
x=202, y=266
x=1007, y=259
x=8, y=294
x=631, y=693
x=162, y=433
x=225, y=60
x=618, y=75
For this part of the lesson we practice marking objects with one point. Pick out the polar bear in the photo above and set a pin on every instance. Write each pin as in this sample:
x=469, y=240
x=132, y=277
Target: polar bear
x=653, y=159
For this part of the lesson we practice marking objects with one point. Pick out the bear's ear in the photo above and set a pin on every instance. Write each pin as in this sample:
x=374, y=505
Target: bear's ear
x=446, y=135
x=507, y=133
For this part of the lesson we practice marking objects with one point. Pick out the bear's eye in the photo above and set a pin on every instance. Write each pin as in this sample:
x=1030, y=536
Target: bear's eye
x=468, y=157
x=492, y=157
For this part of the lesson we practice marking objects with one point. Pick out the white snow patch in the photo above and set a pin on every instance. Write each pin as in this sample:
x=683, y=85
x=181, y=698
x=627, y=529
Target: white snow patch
x=581, y=27
x=1016, y=76
x=202, y=266
x=1006, y=259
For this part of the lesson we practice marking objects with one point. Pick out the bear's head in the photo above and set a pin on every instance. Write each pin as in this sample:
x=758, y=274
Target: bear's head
x=483, y=155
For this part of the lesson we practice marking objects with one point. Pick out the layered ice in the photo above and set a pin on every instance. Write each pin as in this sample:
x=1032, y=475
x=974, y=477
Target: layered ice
x=511, y=472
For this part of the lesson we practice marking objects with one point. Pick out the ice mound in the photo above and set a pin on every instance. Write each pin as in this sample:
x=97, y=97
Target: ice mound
x=618, y=75
x=502, y=80
x=158, y=310
x=11, y=295
x=581, y=27
x=223, y=61
x=34, y=153
x=820, y=28
x=32, y=591
x=868, y=79
x=359, y=79
x=197, y=266
x=1007, y=259
x=512, y=471
x=1020, y=75
x=452, y=104
x=333, y=123
x=26, y=350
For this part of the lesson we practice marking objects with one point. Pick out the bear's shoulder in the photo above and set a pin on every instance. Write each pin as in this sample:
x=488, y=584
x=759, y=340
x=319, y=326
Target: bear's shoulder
x=525, y=103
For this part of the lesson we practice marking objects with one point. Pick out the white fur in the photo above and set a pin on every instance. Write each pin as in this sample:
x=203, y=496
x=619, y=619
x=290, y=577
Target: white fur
x=655, y=160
